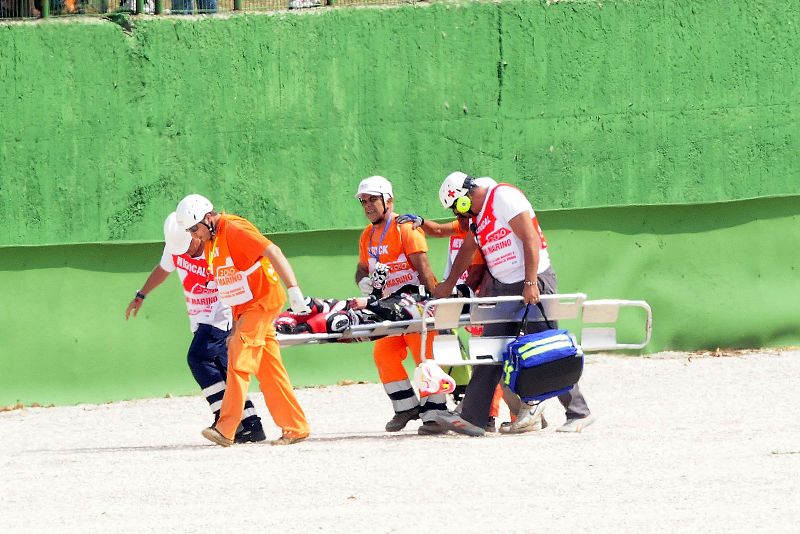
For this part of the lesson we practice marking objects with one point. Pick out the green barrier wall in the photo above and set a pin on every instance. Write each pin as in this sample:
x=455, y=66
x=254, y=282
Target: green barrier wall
x=717, y=275
x=279, y=116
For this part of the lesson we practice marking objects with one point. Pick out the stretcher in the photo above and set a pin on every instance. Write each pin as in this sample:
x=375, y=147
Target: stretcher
x=597, y=332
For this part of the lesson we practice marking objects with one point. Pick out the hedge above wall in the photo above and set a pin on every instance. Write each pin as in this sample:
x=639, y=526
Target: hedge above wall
x=278, y=117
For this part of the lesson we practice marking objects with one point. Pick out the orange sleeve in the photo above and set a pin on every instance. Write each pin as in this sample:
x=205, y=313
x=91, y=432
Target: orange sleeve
x=455, y=227
x=249, y=241
x=413, y=240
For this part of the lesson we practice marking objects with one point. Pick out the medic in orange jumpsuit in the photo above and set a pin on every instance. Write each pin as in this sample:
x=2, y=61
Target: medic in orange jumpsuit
x=403, y=250
x=247, y=268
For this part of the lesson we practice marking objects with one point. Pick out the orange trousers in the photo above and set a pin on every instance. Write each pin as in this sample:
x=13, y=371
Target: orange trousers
x=389, y=353
x=253, y=349
x=494, y=410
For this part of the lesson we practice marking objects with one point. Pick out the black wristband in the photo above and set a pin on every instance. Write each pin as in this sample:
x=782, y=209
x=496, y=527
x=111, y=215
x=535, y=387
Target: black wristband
x=140, y=295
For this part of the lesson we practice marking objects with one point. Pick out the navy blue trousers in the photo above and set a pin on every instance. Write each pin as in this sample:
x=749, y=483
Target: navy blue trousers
x=208, y=361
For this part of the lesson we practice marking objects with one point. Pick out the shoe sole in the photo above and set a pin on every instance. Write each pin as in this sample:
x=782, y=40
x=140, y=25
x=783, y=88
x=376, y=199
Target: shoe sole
x=399, y=428
x=425, y=431
x=213, y=435
x=288, y=441
x=576, y=428
x=522, y=430
x=251, y=439
x=460, y=428
x=536, y=422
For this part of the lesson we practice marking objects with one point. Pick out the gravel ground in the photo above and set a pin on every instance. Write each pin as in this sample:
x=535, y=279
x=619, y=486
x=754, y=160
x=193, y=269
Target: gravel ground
x=682, y=443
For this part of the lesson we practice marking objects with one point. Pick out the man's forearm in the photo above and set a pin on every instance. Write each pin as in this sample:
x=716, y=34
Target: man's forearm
x=531, y=254
x=361, y=271
x=435, y=229
x=156, y=278
x=423, y=268
x=281, y=265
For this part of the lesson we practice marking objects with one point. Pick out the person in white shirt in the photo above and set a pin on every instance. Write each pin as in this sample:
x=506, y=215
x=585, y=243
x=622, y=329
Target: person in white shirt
x=505, y=228
x=209, y=319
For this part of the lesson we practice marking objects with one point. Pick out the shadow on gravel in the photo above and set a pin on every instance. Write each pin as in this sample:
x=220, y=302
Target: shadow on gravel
x=100, y=450
x=381, y=436
x=154, y=448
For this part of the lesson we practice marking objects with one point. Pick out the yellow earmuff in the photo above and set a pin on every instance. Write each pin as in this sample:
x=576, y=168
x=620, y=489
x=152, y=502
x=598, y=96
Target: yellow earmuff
x=463, y=204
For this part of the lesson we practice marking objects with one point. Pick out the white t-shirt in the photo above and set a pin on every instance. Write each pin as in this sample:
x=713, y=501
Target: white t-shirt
x=501, y=248
x=203, y=305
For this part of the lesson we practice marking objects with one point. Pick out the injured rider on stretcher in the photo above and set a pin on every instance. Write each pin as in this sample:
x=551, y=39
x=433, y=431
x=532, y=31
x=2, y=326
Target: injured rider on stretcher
x=332, y=316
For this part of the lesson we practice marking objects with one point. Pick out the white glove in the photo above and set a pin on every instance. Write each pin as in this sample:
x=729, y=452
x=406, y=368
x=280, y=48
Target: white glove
x=297, y=301
x=365, y=285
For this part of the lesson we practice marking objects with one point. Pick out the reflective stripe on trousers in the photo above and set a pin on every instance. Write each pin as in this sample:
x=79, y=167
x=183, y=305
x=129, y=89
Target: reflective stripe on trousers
x=403, y=398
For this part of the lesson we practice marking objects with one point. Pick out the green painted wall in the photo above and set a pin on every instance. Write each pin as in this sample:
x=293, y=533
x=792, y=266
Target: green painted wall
x=716, y=275
x=581, y=103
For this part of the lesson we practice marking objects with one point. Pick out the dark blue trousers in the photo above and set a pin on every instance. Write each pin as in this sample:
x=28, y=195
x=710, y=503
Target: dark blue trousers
x=208, y=361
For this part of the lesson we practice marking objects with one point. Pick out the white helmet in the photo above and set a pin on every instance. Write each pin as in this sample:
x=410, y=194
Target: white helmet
x=191, y=210
x=375, y=185
x=175, y=236
x=457, y=184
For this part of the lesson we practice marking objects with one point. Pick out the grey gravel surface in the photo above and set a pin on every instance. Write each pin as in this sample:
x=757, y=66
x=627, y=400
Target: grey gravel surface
x=682, y=443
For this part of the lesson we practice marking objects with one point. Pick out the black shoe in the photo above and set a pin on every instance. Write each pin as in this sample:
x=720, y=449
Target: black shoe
x=252, y=434
x=491, y=425
x=401, y=419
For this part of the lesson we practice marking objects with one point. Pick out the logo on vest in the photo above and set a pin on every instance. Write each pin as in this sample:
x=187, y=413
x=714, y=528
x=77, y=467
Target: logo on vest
x=227, y=275
x=188, y=266
x=498, y=234
x=483, y=224
x=377, y=251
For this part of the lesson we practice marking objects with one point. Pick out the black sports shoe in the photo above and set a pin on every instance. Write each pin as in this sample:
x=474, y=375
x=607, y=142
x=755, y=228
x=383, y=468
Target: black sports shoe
x=251, y=434
x=401, y=419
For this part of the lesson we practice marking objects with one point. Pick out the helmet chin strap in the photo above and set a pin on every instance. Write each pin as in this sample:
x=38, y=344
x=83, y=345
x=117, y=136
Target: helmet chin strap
x=385, y=211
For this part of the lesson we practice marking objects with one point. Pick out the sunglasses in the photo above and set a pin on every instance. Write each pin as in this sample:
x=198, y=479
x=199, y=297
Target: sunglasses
x=193, y=229
x=371, y=199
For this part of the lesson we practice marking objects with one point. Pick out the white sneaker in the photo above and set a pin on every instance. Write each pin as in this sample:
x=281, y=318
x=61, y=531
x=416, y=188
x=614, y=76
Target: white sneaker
x=530, y=418
x=576, y=425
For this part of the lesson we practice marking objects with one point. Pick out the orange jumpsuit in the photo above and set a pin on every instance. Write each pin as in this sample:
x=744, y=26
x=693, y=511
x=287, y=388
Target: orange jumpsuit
x=252, y=347
x=392, y=246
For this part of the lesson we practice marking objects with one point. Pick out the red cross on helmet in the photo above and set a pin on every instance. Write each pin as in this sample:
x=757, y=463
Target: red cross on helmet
x=453, y=187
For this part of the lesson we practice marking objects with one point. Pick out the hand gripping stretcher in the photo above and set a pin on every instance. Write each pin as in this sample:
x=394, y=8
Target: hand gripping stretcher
x=598, y=320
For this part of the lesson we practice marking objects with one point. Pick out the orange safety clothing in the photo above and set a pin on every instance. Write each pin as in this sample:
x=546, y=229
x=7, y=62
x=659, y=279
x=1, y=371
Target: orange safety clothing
x=237, y=246
x=494, y=410
x=389, y=353
x=253, y=347
x=392, y=246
